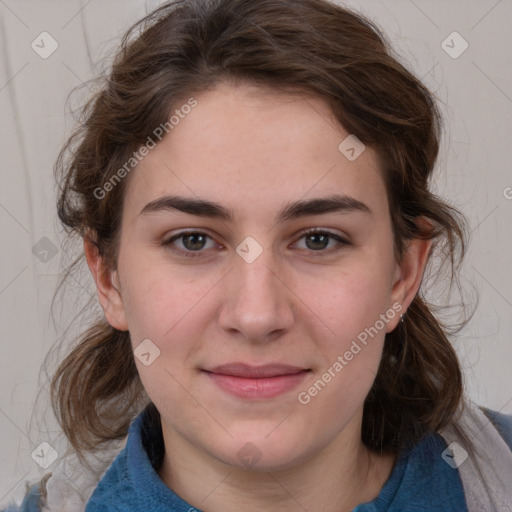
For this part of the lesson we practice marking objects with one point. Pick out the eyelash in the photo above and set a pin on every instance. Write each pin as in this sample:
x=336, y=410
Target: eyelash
x=194, y=254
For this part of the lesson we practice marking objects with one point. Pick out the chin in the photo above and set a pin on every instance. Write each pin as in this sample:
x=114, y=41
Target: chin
x=258, y=451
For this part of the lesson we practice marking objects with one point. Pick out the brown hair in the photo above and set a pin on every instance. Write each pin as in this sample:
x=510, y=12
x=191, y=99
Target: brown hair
x=308, y=46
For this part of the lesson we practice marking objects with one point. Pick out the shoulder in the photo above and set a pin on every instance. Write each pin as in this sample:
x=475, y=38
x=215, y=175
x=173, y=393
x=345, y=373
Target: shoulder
x=502, y=422
x=114, y=486
x=73, y=481
x=34, y=499
x=57, y=492
x=70, y=483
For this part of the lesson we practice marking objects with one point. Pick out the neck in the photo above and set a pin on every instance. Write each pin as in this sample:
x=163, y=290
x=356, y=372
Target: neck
x=336, y=479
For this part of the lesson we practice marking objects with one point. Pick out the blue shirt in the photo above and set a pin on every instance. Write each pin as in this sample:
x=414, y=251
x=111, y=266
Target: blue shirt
x=420, y=481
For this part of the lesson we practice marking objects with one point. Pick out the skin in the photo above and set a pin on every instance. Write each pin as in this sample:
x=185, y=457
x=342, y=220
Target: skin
x=254, y=152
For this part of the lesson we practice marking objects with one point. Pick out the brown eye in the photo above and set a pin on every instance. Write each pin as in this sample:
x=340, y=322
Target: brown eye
x=187, y=243
x=321, y=241
x=317, y=241
x=194, y=241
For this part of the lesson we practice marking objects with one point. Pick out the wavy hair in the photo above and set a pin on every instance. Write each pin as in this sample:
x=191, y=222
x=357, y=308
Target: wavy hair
x=307, y=46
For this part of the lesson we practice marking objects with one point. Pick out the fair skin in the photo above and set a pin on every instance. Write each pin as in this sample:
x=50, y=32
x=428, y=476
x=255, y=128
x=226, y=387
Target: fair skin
x=298, y=303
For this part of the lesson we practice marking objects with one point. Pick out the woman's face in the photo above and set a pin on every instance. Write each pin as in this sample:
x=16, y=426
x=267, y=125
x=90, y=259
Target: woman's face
x=250, y=287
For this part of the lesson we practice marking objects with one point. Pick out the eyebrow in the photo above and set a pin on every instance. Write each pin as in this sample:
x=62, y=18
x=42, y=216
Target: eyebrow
x=294, y=210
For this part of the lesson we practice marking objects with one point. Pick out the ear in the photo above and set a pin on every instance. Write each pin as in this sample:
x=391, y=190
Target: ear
x=409, y=272
x=107, y=285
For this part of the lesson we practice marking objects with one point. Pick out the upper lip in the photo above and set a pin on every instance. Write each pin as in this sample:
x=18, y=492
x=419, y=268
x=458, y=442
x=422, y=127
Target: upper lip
x=255, y=372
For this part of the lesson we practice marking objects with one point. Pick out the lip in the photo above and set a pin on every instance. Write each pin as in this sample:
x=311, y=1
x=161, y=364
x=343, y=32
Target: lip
x=256, y=382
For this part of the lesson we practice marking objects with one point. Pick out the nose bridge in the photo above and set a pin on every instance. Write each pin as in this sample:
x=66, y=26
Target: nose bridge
x=257, y=302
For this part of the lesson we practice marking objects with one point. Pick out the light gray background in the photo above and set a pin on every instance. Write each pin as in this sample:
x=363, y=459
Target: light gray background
x=475, y=91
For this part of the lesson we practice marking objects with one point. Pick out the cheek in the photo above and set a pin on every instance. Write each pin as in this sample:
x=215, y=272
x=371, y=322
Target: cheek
x=355, y=307
x=352, y=299
x=174, y=311
x=169, y=310
x=159, y=300
x=357, y=313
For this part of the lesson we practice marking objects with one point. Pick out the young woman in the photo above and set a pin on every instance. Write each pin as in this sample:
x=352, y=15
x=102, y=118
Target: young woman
x=251, y=185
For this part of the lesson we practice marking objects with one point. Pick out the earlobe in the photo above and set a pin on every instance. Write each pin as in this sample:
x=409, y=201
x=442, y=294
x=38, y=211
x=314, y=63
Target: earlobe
x=410, y=271
x=107, y=285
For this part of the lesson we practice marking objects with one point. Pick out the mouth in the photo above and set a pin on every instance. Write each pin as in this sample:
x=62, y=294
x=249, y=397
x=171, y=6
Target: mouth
x=256, y=382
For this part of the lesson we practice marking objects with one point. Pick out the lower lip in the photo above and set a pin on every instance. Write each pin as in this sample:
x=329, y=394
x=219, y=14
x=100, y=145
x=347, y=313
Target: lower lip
x=257, y=388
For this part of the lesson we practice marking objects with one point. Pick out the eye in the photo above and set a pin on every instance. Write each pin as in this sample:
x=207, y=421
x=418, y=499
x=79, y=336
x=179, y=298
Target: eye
x=191, y=242
x=317, y=240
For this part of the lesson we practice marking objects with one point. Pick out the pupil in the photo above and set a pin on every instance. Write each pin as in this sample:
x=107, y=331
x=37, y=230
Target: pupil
x=315, y=241
x=197, y=243
x=317, y=237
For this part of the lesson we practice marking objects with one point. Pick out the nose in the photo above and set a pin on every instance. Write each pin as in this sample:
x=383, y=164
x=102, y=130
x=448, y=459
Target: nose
x=258, y=304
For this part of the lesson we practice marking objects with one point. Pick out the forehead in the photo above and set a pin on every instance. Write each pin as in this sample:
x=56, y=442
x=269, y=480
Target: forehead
x=253, y=151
